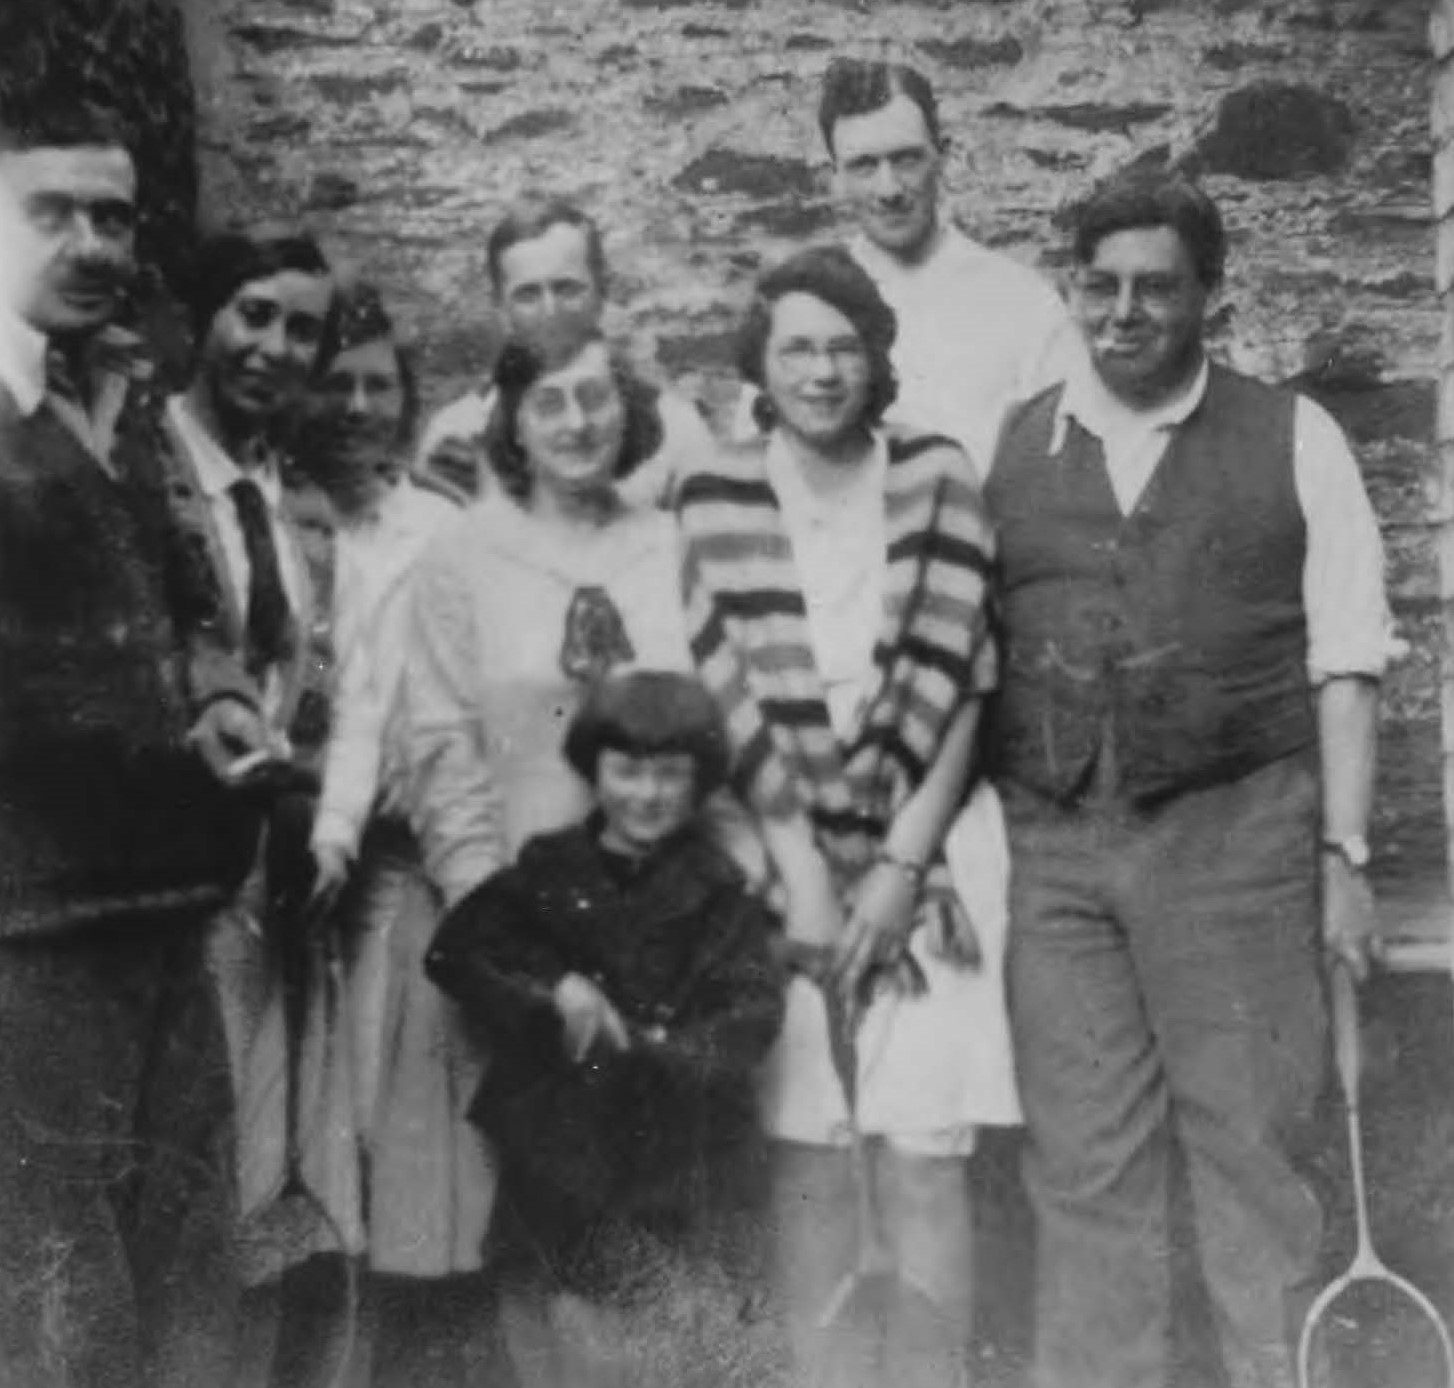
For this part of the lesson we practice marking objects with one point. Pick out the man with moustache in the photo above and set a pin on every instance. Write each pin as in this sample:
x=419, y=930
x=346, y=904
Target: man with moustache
x=978, y=331
x=1195, y=625
x=117, y=840
x=548, y=272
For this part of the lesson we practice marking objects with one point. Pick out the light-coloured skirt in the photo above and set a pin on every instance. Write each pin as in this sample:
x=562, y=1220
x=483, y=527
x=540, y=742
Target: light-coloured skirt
x=432, y=1176
x=932, y=1068
x=386, y=1074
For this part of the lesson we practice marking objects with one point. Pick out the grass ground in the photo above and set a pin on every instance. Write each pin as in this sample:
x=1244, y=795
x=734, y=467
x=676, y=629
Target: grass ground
x=712, y=1334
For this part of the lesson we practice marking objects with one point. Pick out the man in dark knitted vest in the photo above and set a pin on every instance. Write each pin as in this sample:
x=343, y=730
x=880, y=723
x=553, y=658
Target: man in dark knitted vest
x=1194, y=627
x=118, y=712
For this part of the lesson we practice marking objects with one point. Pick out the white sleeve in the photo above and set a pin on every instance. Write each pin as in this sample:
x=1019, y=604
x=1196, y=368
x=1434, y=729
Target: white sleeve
x=686, y=444
x=1350, y=630
x=351, y=762
x=744, y=427
x=460, y=419
x=453, y=799
x=1053, y=342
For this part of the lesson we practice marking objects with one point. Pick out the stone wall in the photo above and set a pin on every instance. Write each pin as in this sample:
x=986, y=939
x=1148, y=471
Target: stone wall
x=397, y=128
x=129, y=55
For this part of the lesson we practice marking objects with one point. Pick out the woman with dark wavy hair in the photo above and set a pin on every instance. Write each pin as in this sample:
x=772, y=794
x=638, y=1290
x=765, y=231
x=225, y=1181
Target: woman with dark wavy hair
x=541, y=588
x=836, y=574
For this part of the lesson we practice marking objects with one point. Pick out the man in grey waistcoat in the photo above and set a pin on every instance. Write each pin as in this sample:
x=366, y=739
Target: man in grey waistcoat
x=1195, y=626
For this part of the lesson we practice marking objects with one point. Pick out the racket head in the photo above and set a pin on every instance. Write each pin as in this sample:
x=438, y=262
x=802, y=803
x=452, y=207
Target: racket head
x=1378, y=1331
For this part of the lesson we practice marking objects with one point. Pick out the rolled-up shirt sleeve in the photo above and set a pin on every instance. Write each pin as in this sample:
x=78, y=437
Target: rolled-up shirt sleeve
x=1350, y=628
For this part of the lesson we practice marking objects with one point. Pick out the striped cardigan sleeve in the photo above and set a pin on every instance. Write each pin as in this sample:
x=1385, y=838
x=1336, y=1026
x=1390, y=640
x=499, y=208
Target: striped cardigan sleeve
x=941, y=552
x=758, y=774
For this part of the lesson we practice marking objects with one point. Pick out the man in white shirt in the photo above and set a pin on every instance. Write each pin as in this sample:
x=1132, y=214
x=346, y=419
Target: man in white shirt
x=978, y=331
x=548, y=272
x=1195, y=626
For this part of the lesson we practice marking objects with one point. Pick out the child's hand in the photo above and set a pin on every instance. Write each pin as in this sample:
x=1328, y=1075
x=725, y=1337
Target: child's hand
x=588, y=1018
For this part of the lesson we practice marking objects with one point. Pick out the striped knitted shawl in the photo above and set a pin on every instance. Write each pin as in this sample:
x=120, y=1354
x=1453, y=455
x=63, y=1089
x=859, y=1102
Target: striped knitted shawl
x=749, y=634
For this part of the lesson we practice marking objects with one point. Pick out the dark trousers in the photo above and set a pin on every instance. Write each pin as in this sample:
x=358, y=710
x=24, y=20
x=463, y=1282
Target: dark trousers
x=1166, y=1000
x=115, y=1209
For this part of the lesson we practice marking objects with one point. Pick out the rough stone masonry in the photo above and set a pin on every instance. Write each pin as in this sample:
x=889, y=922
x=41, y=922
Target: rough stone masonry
x=398, y=128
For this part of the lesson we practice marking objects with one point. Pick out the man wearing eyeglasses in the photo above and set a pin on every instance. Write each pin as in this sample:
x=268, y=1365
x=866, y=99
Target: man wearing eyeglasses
x=1195, y=626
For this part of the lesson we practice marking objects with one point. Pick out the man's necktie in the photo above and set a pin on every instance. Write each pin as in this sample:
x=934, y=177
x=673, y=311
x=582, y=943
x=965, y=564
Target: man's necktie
x=268, y=630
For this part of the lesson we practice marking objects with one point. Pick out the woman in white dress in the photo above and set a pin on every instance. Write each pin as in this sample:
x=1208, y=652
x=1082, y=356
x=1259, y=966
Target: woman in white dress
x=542, y=586
x=413, y=1069
x=836, y=573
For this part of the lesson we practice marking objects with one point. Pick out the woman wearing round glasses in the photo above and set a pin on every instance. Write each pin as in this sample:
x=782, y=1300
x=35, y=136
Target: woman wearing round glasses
x=836, y=571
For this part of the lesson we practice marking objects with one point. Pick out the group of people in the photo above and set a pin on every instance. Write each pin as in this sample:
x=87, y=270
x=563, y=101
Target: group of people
x=540, y=856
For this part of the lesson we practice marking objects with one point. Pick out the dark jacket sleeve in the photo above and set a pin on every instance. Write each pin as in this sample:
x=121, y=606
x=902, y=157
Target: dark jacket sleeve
x=735, y=1007
x=492, y=956
x=212, y=665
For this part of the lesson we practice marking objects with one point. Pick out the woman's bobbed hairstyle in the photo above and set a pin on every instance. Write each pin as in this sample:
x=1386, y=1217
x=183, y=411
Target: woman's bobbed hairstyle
x=227, y=260
x=831, y=274
x=522, y=363
x=646, y=712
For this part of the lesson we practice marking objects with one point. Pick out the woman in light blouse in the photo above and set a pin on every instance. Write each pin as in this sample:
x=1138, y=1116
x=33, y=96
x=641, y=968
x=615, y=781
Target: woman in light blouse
x=836, y=579
x=429, y=1174
x=549, y=582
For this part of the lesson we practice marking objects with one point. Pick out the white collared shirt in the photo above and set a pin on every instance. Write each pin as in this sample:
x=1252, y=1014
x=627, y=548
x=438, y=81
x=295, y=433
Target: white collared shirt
x=1350, y=629
x=978, y=333
x=216, y=472
x=23, y=353
x=22, y=361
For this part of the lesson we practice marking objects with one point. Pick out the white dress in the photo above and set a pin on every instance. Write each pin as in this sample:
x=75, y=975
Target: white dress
x=933, y=1068
x=412, y=1067
x=487, y=698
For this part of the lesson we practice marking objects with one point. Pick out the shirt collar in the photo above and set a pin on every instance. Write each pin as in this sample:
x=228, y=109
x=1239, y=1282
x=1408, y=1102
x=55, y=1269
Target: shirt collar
x=22, y=361
x=1101, y=414
x=216, y=469
x=114, y=351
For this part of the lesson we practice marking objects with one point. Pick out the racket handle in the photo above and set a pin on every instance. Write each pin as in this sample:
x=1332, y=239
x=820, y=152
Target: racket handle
x=1347, y=1043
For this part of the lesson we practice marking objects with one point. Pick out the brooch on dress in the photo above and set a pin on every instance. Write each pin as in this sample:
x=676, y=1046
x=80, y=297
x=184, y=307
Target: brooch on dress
x=595, y=637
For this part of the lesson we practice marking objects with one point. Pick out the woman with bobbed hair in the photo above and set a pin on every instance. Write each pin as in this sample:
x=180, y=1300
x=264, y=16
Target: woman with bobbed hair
x=539, y=590
x=543, y=586
x=835, y=573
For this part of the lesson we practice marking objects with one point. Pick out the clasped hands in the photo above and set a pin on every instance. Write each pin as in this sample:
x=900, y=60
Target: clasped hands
x=588, y=1019
x=853, y=947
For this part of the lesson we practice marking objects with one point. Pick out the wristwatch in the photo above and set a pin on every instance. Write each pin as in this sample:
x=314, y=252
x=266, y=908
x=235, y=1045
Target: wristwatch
x=1353, y=850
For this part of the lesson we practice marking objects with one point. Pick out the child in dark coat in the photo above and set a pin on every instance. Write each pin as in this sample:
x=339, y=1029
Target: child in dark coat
x=622, y=974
